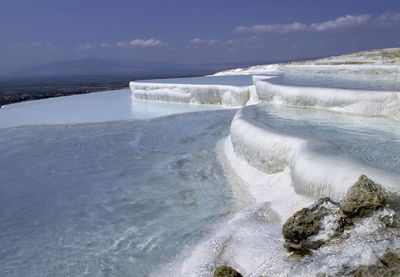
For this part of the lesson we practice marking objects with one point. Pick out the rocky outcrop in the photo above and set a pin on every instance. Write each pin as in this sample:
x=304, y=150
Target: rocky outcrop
x=390, y=266
x=312, y=227
x=226, y=271
x=363, y=198
x=392, y=259
x=375, y=271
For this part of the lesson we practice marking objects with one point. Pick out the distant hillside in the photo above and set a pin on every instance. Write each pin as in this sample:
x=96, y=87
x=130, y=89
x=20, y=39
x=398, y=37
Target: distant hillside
x=373, y=57
x=89, y=75
x=95, y=66
x=136, y=69
x=76, y=67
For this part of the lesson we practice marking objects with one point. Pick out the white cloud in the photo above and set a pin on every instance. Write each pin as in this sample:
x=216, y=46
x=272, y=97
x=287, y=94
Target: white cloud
x=213, y=41
x=234, y=43
x=145, y=43
x=196, y=41
x=17, y=45
x=389, y=18
x=121, y=44
x=140, y=43
x=242, y=42
x=34, y=44
x=85, y=46
x=343, y=22
x=340, y=23
x=204, y=41
x=31, y=45
x=104, y=45
x=273, y=28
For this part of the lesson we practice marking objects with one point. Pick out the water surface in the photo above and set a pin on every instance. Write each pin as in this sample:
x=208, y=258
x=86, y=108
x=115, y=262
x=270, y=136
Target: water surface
x=91, y=107
x=355, y=81
x=109, y=199
x=232, y=80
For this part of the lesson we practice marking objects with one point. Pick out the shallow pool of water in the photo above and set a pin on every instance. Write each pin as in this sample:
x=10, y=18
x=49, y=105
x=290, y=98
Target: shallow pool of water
x=91, y=107
x=349, y=81
x=234, y=80
x=109, y=199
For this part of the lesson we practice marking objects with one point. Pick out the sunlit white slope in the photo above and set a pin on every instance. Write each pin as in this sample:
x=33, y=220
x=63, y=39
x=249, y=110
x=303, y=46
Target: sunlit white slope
x=256, y=69
x=378, y=56
x=373, y=57
x=288, y=152
x=353, y=101
x=192, y=93
x=386, y=69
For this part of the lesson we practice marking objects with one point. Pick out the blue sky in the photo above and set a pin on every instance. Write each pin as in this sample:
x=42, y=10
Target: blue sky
x=187, y=31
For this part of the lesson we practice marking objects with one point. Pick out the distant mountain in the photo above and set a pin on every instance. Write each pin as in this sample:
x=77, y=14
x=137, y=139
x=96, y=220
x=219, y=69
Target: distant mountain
x=88, y=66
x=98, y=67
